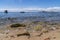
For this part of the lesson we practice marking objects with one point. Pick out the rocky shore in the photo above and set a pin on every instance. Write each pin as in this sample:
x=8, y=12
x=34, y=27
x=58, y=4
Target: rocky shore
x=31, y=31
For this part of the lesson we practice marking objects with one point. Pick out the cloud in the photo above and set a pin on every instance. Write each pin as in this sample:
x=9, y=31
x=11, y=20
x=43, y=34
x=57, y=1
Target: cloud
x=49, y=9
x=10, y=9
x=55, y=9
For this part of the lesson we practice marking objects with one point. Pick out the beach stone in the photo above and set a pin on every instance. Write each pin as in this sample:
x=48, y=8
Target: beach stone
x=17, y=25
x=47, y=39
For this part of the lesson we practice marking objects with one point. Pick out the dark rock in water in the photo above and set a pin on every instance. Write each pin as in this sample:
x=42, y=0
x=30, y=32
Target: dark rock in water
x=44, y=12
x=22, y=12
x=17, y=25
x=6, y=11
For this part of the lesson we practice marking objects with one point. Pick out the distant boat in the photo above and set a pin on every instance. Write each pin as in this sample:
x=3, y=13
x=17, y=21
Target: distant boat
x=5, y=11
x=22, y=12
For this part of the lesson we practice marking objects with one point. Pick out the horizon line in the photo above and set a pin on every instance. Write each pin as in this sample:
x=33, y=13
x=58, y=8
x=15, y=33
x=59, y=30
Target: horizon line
x=31, y=8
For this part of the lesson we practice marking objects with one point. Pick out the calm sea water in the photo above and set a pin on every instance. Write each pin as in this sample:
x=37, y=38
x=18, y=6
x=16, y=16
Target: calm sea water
x=33, y=15
x=36, y=16
x=30, y=16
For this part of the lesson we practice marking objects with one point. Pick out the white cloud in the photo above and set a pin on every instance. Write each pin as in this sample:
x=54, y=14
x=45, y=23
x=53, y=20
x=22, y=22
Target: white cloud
x=10, y=9
x=32, y=8
x=53, y=9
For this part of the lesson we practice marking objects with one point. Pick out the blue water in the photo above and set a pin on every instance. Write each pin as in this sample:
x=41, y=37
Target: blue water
x=36, y=16
x=32, y=15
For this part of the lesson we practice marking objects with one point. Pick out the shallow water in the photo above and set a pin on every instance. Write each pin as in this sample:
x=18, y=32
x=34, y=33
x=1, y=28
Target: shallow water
x=35, y=16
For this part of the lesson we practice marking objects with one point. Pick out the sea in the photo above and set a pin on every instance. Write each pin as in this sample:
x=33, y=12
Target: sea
x=14, y=17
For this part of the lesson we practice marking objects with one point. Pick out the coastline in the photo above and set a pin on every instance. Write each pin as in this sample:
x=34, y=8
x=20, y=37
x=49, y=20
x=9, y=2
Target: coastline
x=39, y=31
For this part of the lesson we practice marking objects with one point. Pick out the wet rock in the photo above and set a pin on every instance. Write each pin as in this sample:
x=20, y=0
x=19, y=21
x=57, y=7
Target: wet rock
x=24, y=34
x=6, y=11
x=17, y=25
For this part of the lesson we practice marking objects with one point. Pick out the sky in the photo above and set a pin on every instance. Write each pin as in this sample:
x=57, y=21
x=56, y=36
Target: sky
x=28, y=4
